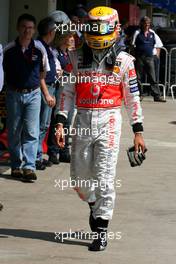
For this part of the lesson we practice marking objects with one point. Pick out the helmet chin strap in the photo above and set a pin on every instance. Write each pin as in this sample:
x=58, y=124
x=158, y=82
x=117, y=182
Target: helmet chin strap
x=109, y=53
x=114, y=50
x=100, y=55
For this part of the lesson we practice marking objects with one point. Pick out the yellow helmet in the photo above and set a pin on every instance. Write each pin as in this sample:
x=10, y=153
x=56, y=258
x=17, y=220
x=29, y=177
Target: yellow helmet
x=103, y=27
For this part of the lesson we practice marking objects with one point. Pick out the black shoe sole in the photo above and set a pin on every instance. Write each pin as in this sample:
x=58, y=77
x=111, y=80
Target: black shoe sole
x=28, y=179
x=96, y=247
x=17, y=177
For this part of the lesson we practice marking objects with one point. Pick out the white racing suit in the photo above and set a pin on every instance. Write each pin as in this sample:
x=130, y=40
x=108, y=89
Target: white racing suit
x=96, y=132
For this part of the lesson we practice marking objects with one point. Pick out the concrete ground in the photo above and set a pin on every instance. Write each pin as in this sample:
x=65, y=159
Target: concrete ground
x=144, y=222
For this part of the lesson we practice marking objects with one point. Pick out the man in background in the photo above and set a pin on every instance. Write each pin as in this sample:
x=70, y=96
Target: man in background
x=144, y=41
x=25, y=64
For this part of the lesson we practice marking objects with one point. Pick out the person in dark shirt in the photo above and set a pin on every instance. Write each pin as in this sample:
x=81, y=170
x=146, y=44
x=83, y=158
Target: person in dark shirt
x=46, y=30
x=144, y=41
x=25, y=64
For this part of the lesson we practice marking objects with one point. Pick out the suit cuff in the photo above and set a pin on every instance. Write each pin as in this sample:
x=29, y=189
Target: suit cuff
x=138, y=127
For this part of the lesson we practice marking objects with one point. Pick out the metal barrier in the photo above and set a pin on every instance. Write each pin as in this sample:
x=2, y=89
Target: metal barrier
x=171, y=86
x=162, y=85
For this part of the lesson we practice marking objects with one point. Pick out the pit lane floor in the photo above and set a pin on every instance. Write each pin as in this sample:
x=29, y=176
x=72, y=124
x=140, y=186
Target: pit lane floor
x=144, y=222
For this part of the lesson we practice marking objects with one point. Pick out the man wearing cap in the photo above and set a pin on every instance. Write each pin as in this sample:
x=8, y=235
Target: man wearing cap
x=64, y=43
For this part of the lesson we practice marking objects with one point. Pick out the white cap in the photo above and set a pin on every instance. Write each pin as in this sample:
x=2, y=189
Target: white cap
x=60, y=17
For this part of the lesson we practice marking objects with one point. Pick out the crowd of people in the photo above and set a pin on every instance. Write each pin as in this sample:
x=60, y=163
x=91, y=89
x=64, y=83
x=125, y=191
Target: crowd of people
x=39, y=101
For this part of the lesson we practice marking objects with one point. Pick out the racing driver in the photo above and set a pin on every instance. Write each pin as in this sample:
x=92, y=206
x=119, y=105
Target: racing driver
x=104, y=76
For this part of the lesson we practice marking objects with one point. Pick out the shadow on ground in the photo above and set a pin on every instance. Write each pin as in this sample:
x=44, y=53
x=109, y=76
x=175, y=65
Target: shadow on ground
x=8, y=177
x=59, y=237
x=172, y=122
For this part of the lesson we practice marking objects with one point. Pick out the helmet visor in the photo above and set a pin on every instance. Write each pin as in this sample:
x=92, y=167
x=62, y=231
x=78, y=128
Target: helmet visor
x=99, y=28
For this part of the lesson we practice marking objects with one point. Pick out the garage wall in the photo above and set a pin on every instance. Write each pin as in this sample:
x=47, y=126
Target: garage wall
x=4, y=21
x=37, y=8
x=93, y=3
x=68, y=6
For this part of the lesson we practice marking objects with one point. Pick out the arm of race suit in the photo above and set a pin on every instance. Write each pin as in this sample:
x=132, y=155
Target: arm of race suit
x=132, y=99
x=1, y=69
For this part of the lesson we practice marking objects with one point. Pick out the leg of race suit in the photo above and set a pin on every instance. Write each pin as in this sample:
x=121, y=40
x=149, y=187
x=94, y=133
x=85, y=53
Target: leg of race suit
x=94, y=159
x=81, y=168
x=106, y=150
x=82, y=157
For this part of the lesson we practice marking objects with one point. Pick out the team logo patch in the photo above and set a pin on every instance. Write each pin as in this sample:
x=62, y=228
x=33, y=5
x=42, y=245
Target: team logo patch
x=134, y=89
x=95, y=90
x=132, y=73
x=116, y=69
x=100, y=12
x=133, y=81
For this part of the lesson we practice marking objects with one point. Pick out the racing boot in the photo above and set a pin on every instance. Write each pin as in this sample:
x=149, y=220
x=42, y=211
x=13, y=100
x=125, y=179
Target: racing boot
x=100, y=241
x=92, y=221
